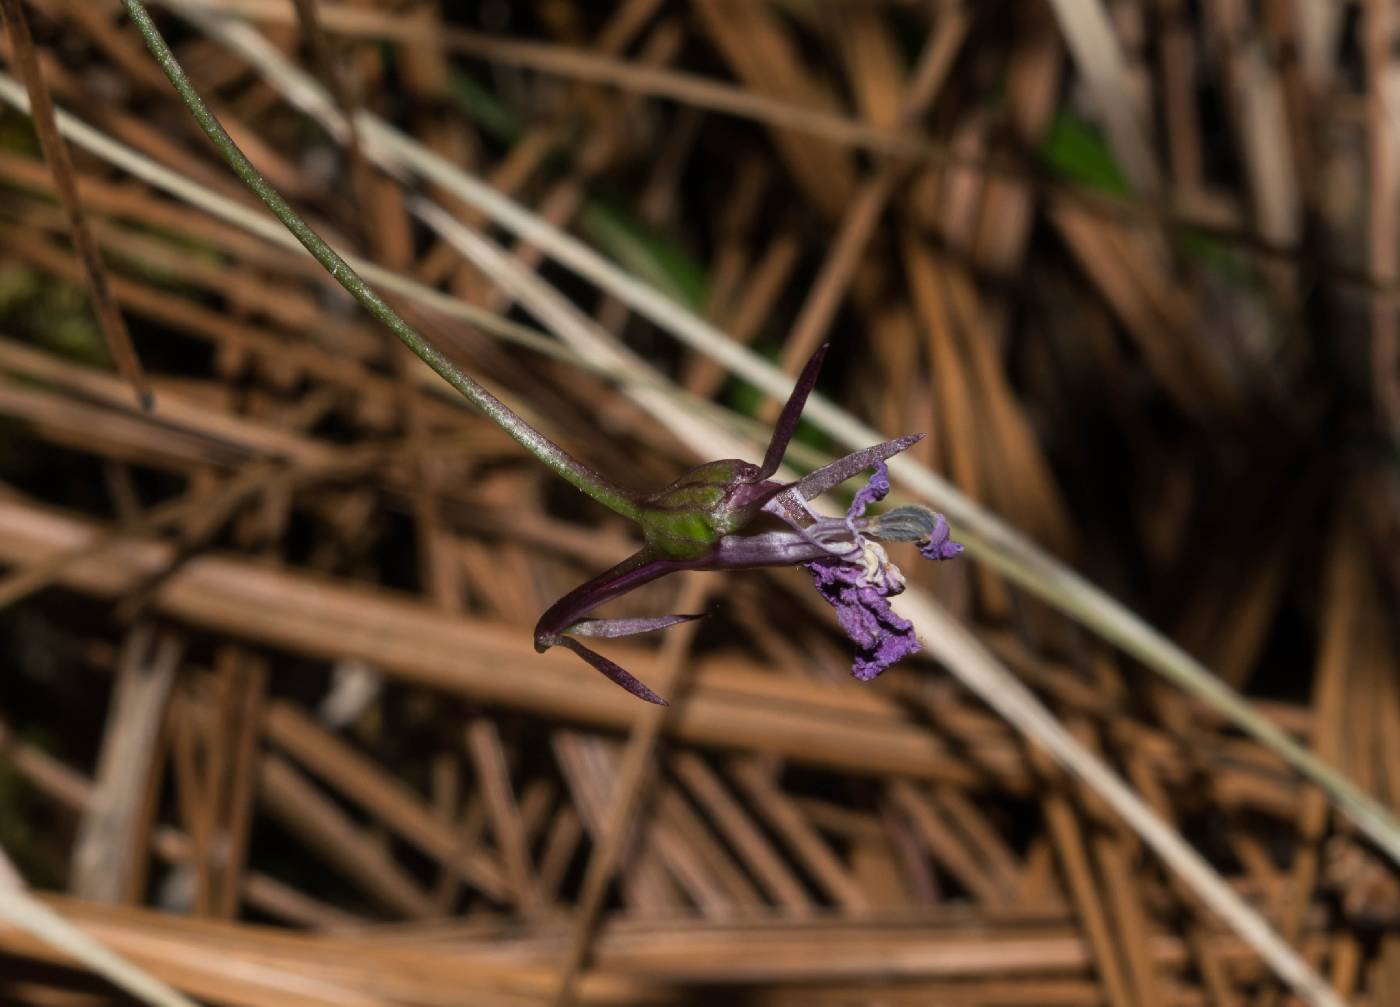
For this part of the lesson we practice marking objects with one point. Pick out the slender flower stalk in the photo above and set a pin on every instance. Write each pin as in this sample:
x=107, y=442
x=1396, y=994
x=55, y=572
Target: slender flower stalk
x=711, y=518
x=554, y=457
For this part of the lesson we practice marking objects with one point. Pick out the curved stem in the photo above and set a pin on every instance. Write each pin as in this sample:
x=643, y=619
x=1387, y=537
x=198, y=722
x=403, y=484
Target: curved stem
x=554, y=457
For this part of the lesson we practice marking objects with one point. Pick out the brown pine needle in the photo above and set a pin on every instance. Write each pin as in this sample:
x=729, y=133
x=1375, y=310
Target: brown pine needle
x=65, y=181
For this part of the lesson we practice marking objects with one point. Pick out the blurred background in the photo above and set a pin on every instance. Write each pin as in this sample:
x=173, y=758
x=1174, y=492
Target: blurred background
x=271, y=723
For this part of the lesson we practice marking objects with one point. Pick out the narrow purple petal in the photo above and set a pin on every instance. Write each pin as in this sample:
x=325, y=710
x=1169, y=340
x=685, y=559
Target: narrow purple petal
x=613, y=628
x=638, y=569
x=791, y=414
x=940, y=544
x=772, y=548
x=872, y=492
x=814, y=484
x=612, y=671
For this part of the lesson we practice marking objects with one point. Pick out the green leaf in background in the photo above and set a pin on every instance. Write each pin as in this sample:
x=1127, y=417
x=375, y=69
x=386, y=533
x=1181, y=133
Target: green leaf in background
x=1074, y=149
x=1215, y=255
x=487, y=111
x=644, y=252
x=51, y=312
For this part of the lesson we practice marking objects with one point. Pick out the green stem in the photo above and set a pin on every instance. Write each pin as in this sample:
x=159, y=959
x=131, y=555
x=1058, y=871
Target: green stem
x=556, y=458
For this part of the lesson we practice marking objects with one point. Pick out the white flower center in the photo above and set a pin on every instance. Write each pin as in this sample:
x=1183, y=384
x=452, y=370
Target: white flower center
x=880, y=573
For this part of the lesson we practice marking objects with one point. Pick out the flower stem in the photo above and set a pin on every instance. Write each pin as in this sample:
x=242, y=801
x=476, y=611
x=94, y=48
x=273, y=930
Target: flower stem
x=552, y=455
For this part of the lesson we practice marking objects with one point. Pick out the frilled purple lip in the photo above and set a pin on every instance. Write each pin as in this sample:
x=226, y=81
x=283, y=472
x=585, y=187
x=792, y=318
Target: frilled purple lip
x=859, y=583
x=827, y=546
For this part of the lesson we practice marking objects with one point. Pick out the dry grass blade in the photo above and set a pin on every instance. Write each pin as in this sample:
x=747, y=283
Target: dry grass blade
x=61, y=164
x=1089, y=33
x=1003, y=691
x=1023, y=711
x=868, y=204
x=269, y=230
x=1002, y=547
x=347, y=778
x=27, y=913
x=110, y=837
x=989, y=538
x=687, y=88
x=36, y=576
x=637, y=763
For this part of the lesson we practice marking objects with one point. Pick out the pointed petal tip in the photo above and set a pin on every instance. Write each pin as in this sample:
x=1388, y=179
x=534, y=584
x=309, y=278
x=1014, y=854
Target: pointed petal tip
x=791, y=414
x=817, y=482
x=900, y=444
x=614, y=672
x=636, y=687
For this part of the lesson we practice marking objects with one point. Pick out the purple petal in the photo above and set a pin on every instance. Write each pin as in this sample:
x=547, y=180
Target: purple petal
x=614, y=672
x=892, y=648
x=814, y=484
x=772, y=548
x=872, y=492
x=792, y=412
x=613, y=628
x=882, y=637
x=638, y=569
x=940, y=544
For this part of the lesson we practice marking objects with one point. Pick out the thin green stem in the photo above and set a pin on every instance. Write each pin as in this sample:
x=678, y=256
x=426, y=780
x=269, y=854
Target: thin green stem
x=559, y=461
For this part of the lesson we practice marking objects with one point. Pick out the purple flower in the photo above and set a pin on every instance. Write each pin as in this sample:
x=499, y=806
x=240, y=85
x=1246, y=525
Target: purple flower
x=703, y=522
x=882, y=637
x=857, y=581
